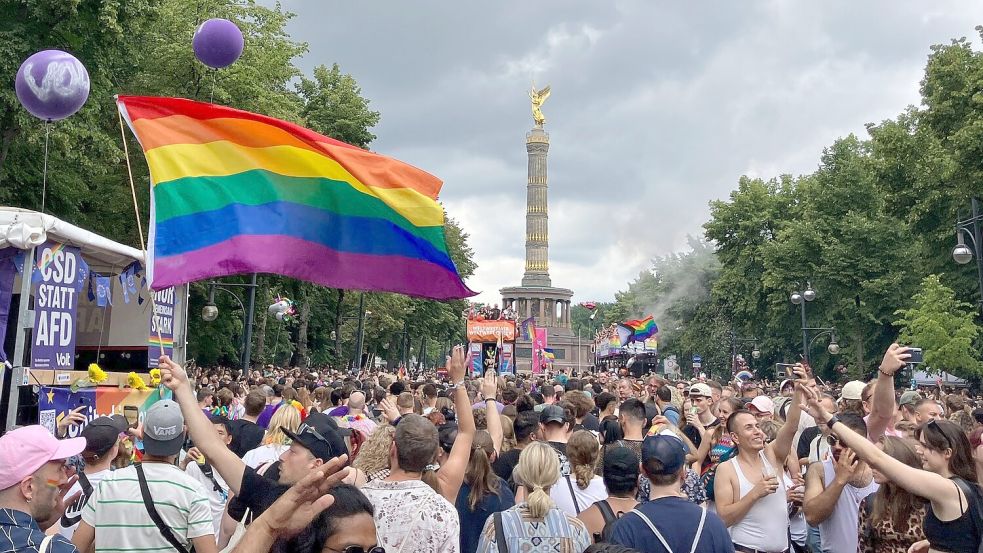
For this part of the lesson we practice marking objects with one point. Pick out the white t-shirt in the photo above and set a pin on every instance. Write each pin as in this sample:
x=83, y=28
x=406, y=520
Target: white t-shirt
x=216, y=499
x=264, y=454
x=116, y=509
x=560, y=492
x=73, y=513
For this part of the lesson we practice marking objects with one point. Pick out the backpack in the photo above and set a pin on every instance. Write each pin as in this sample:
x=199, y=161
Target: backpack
x=609, y=519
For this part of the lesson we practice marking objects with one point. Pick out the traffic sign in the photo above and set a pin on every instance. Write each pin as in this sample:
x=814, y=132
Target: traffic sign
x=697, y=362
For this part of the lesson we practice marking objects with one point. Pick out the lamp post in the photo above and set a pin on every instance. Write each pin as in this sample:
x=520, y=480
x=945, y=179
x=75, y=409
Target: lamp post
x=734, y=341
x=210, y=312
x=800, y=299
x=962, y=253
x=360, y=335
x=833, y=348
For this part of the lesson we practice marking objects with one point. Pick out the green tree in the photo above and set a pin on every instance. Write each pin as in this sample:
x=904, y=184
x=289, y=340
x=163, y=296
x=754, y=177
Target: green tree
x=944, y=328
x=334, y=106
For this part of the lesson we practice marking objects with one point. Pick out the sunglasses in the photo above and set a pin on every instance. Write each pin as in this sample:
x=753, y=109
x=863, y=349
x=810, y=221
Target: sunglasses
x=359, y=549
x=832, y=440
x=934, y=424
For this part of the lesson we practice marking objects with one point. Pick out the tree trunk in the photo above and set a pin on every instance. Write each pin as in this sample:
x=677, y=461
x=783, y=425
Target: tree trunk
x=259, y=352
x=303, y=359
x=338, y=310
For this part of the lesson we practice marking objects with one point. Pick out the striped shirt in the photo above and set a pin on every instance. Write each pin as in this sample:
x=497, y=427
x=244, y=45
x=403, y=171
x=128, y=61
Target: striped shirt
x=121, y=521
x=555, y=532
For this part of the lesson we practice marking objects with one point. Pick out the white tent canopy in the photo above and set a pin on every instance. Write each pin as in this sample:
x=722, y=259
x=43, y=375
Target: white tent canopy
x=922, y=378
x=24, y=229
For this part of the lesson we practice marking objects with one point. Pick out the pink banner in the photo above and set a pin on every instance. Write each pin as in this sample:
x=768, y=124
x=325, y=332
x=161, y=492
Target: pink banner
x=538, y=345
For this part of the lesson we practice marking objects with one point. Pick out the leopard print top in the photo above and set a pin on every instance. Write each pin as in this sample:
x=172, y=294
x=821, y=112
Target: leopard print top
x=883, y=537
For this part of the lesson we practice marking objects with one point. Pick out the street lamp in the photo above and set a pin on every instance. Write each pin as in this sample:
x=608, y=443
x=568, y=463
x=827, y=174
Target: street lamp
x=833, y=348
x=962, y=253
x=210, y=312
x=801, y=299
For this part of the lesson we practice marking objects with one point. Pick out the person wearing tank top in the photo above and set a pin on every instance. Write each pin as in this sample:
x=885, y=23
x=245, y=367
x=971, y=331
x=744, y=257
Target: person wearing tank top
x=834, y=490
x=750, y=496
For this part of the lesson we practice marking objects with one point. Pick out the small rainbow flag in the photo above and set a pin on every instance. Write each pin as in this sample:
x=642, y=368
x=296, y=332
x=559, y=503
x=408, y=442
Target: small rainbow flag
x=549, y=354
x=642, y=329
x=235, y=192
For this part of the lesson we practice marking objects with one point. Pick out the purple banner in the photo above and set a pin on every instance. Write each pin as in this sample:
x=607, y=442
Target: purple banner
x=59, y=272
x=161, y=337
x=8, y=270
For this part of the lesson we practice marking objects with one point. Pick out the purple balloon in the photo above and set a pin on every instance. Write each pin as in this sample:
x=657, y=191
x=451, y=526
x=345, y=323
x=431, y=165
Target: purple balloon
x=218, y=43
x=52, y=85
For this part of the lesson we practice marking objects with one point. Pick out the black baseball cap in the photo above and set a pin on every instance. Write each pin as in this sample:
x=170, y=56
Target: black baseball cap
x=552, y=413
x=621, y=460
x=102, y=433
x=319, y=436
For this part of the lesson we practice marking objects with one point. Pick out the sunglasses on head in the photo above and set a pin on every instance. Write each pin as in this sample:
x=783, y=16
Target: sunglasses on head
x=938, y=428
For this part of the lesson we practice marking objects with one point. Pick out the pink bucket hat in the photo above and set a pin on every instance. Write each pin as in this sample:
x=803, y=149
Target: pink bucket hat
x=27, y=449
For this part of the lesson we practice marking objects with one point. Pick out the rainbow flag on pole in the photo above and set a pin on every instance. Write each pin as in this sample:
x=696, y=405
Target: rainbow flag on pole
x=642, y=329
x=234, y=192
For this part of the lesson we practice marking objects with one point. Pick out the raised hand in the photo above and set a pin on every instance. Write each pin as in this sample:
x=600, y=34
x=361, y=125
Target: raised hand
x=810, y=404
x=172, y=375
x=72, y=418
x=895, y=358
x=847, y=466
x=455, y=365
x=306, y=499
x=489, y=385
x=389, y=410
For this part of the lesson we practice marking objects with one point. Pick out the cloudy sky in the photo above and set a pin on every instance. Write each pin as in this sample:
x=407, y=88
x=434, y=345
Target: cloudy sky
x=658, y=107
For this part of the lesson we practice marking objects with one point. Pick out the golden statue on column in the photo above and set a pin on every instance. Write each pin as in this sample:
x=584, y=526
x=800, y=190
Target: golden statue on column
x=538, y=97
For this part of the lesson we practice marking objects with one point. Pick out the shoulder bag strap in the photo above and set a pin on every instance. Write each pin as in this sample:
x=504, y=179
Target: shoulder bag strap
x=607, y=513
x=86, y=485
x=699, y=530
x=46, y=543
x=573, y=495
x=655, y=530
x=500, y=534
x=154, y=515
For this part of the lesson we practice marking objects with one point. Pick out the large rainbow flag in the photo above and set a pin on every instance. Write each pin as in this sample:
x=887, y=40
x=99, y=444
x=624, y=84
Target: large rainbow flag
x=235, y=192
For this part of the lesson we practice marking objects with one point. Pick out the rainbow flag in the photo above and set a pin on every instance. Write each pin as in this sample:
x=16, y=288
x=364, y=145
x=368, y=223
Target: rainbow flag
x=234, y=192
x=642, y=329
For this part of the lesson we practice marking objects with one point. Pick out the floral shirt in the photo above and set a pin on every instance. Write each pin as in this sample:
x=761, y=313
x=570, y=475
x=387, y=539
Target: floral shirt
x=411, y=517
x=692, y=487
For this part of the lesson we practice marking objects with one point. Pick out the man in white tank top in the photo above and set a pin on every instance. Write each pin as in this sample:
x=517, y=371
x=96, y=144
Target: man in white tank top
x=750, y=493
x=834, y=489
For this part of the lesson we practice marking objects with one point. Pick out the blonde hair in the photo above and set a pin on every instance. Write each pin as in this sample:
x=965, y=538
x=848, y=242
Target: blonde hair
x=538, y=470
x=508, y=434
x=582, y=451
x=286, y=416
x=374, y=453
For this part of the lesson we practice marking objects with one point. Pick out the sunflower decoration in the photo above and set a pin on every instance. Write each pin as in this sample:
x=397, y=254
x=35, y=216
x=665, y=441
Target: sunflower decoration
x=155, y=377
x=133, y=380
x=94, y=377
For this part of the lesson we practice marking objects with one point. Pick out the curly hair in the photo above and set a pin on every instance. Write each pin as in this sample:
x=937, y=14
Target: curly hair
x=374, y=454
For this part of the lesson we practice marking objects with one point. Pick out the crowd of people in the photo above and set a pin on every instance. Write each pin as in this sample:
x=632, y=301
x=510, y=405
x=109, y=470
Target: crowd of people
x=290, y=461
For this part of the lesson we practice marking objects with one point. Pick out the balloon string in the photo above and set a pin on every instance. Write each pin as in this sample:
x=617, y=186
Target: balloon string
x=44, y=173
x=211, y=96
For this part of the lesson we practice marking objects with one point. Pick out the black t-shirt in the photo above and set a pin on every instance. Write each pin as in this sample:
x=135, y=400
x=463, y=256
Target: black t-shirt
x=805, y=441
x=246, y=435
x=505, y=464
x=694, y=435
x=591, y=423
x=257, y=493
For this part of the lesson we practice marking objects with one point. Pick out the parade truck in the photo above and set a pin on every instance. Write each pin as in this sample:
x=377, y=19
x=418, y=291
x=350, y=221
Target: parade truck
x=81, y=327
x=491, y=345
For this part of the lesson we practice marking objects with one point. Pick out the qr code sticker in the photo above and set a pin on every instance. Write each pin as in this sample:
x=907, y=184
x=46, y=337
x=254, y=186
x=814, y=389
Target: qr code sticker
x=46, y=419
